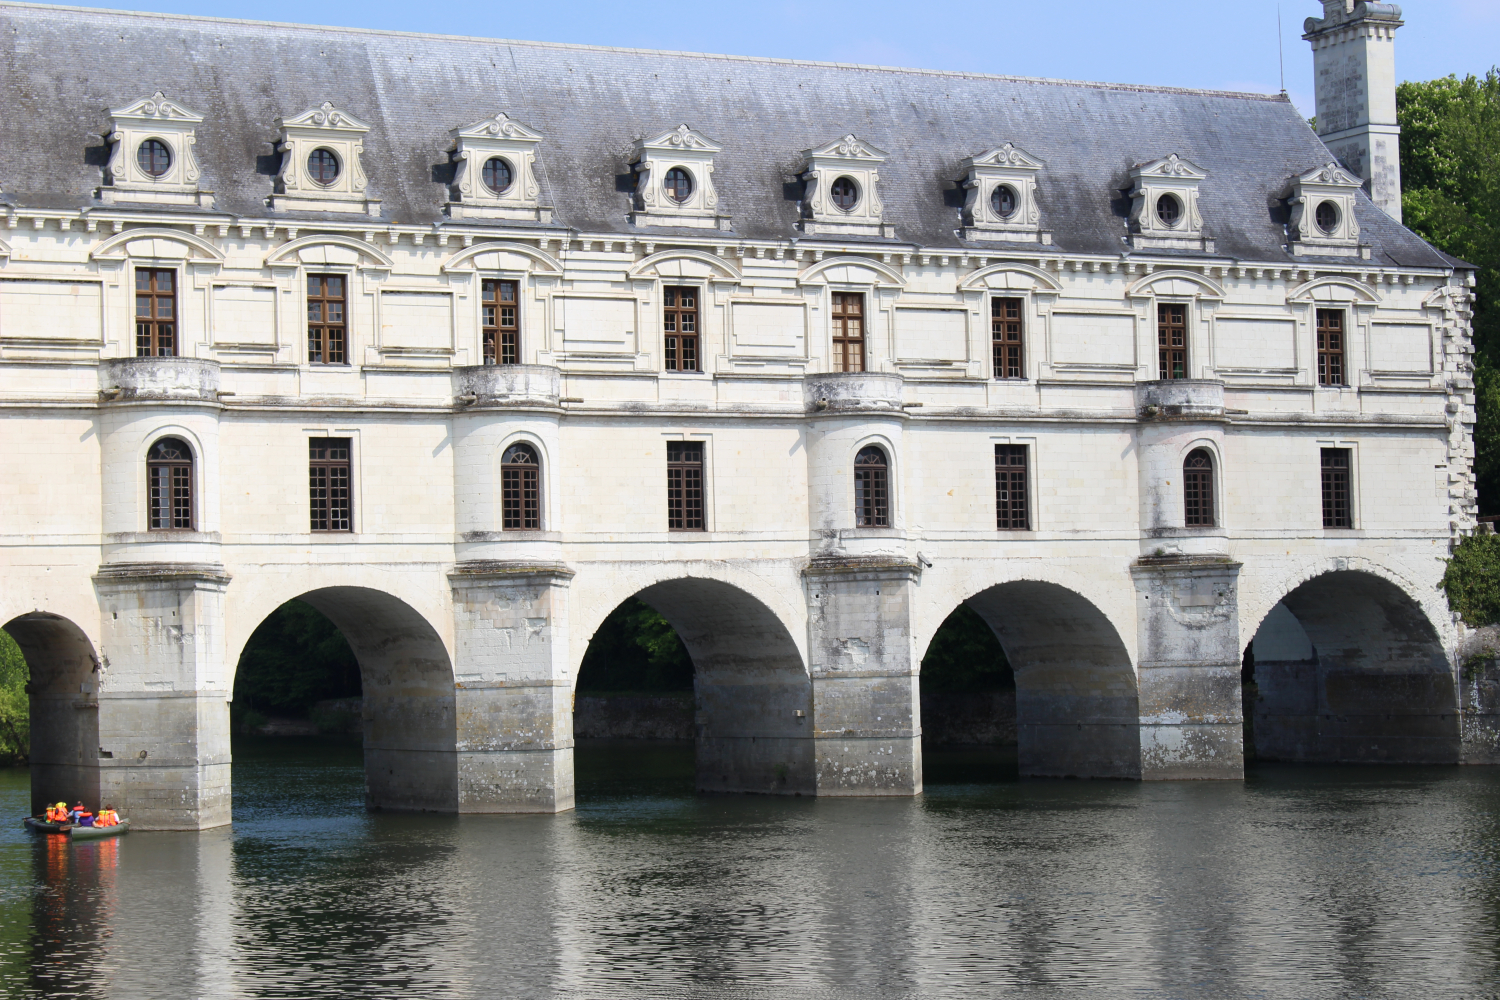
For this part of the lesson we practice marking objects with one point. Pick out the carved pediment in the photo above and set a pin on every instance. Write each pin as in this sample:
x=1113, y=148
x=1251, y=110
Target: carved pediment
x=151, y=159
x=1164, y=210
x=505, y=188
x=841, y=195
x=1322, y=212
x=660, y=163
x=1329, y=173
x=682, y=138
x=309, y=180
x=1007, y=155
x=1000, y=203
x=1172, y=166
x=501, y=126
x=324, y=116
x=156, y=108
x=849, y=147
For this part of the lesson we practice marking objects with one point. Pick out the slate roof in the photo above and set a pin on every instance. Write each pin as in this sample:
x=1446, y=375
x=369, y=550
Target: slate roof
x=62, y=68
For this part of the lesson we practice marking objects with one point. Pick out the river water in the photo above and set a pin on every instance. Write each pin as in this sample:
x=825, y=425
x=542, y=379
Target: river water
x=1300, y=882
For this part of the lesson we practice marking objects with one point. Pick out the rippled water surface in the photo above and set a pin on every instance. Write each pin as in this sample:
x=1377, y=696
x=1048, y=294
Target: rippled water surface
x=1302, y=882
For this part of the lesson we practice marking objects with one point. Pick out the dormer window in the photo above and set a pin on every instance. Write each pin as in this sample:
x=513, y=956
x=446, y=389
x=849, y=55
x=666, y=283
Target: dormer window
x=494, y=172
x=675, y=181
x=154, y=157
x=1322, y=214
x=497, y=175
x=1001, y=201
x=151, y=159
x=1164, y=206
x=323, y=166
x=320, y=163
x=841, y=194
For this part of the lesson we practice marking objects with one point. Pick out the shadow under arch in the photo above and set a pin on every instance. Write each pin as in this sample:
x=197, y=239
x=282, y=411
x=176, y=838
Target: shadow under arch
x=1348, y=668
x=64, y=699
x=410, y=720
x=1077, y=710
x=753, y=728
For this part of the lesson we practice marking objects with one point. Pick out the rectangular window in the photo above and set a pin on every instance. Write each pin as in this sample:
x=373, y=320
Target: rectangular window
x=1331, y=347
x=155, y=313
x=685, y=485
x=679, y=324
x=1171, y=340
x=1336, y=508
x=170, y=495
x=1005, y=327
x=328, y=477
x=325, y=319
x=502, y=331
x=1011, y=513
x=848, y=332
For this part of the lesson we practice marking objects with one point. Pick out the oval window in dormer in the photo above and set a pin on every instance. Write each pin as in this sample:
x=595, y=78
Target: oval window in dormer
x=845, y=194
x=323, y=166
x=154, y=157
x=1328, y=217
x=497, y=174
x=678, y=184
x=1003, y=201
x=1169, y=210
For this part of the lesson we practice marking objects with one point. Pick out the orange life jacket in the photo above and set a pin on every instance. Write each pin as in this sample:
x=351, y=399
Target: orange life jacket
x=54, y=815
x=107, y=817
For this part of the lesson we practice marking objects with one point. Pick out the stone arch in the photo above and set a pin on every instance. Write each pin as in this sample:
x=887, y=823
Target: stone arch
x=881, y=274
x=1350, y=667
x=708, y=266
x=1307, y=291
x=1205, y=287
x=327, y=249
x=123, y=244
x=980, y=280
x=522, y=258
x=410, y=717
x=752, y=689
x=1077, y=709
x=64, y=696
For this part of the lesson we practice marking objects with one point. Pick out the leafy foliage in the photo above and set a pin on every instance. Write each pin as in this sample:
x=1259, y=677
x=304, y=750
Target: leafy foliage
x=1450, y=172
x=635, y=649
x=1472, y=580
x=296, y=657
x=965, y=657
x=15, y=703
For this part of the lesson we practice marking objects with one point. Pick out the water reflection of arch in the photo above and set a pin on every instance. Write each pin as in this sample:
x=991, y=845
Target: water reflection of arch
x=752, y=690
x=406, y=671
x=1350, y=665
x=63, y=665
x=1077, y=707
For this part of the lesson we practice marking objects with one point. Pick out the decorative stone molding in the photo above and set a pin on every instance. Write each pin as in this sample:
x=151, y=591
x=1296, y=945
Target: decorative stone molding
x=134, y=174
x=683, y=263
x=159, y=380
x=1001, y=200
x=1164, y=206
x=481, y=386
x=158, y=244
x=329, y=249
x=509, y=190
x=851, y=270
x=1180, y=399
x=853, y=392
x=502, y=256
x=653, y=160
x=324, y=128
x=131, y=575
x=852, y=159
x=1322, y=222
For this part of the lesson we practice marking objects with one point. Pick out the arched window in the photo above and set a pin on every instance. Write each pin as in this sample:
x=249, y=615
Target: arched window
x=1198, y=489
x=169, y=490
x=520, y=490
x=872, y=504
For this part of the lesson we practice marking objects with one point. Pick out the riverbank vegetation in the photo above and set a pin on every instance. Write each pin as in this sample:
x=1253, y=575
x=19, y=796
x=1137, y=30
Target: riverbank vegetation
x=295, y=659
x=15, y=706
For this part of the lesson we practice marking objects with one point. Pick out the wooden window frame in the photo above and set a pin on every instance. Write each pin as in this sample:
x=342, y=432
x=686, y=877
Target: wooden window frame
x=1199, y=507
x=330, y=485
x=1332, y=343
x=155, y=333
x=1337, y=482
x=1012, y=487
x=1169, y=355
x=170, y=500
x=325, y=337
x=685, y=486
x=872, y=488
x=520, y=488
x=849, y=351
x=501, y=339
x=682, y=349
x=1008, y=336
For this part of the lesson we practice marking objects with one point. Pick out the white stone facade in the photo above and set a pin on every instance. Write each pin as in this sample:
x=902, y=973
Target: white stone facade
x=1125, y=623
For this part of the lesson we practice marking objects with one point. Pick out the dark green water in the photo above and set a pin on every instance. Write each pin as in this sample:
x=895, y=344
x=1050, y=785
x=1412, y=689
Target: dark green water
x=1301, y=882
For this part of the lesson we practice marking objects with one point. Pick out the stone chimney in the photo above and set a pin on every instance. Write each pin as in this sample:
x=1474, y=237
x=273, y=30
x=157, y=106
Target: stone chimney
x=1354, y=63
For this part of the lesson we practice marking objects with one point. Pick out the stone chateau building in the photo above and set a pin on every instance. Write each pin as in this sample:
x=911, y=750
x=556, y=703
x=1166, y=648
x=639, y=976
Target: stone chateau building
x=464, y=342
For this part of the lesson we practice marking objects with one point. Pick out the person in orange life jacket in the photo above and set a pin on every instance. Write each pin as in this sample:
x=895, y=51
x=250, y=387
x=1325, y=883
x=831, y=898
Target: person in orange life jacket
x=81, y=815
x=57, y=813
x=107, y=817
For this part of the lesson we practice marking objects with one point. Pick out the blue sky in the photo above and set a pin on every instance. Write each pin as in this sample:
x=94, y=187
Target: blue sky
x=1218, y=44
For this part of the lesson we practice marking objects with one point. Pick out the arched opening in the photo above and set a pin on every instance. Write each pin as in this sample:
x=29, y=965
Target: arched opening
x=1076, y=708
x=405, y=679
x=750, y=711
x=63, y=708
x=968, y=692
x=1347, y=668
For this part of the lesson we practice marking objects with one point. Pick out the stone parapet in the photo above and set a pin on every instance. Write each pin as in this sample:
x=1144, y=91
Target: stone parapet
x=1180, y=399
x=853, y=392
x=159, y=380
x=479, y=386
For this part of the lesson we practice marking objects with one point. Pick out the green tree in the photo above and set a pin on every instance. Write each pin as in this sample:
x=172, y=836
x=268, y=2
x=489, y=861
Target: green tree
x=635, y=649
x=965, y=657
x=295, y=658
x=1472, y=580
x=15, y=703
x=1450, y=174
